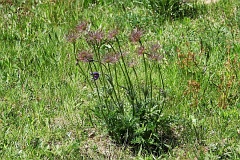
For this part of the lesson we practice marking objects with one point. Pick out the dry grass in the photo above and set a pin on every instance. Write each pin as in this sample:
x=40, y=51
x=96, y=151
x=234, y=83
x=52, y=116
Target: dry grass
x=100, y=146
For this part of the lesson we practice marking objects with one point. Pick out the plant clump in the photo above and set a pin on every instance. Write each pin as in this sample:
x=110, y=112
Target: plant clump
x=130, y=107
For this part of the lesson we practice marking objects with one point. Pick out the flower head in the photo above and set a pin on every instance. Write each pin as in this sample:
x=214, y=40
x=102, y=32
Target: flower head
x=141, y=50
x=95, y=75
x=155, y=57
x=81, y=26
x=132, y=63
x=136, y=35
x=72, y=37
x=112, y=34
x=95, y=37
x=154, y=51
x=85, y=56
x=111, y=58
x=155, y=47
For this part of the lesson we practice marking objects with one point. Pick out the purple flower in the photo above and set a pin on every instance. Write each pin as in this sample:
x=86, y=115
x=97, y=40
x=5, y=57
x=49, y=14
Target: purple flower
x=155, y=57
x=111, y=58
x=95, y=37
x=155, y=47
x=95, y=75
x=72, y=37
x=85, y=56
x=112, y=34
x=81, y=26
x=136, y=35
x=141, y=50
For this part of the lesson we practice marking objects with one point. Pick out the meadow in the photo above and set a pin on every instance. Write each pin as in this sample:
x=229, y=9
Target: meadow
x=107, y=79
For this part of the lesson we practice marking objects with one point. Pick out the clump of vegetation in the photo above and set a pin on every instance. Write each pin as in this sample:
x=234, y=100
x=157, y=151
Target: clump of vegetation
x=129, y=102
x=175, y=9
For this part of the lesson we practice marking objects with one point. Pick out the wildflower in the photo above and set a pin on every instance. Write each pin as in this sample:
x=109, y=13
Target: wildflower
x=112, y=34
x=95, y=75
x=155, y=47
x=95, y=37
x=85, y=56
x=155, y=57
x=154, y=52
x=72, y=37
x=74, y=34
x=136, y=35
x=132, y=63
x=111, y=58
x=141, y=50
x=81, y=27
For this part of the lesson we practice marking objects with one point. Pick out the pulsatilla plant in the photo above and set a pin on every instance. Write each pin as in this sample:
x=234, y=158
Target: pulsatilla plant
x=130, y=94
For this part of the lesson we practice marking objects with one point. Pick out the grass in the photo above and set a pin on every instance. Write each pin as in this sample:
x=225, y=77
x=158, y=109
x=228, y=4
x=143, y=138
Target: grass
x=47, y=106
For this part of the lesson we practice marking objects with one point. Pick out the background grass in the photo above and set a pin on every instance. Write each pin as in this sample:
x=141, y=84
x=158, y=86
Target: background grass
x=46, y=106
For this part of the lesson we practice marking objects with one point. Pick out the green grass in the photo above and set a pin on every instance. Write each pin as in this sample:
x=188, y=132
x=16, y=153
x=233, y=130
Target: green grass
x=46, y=105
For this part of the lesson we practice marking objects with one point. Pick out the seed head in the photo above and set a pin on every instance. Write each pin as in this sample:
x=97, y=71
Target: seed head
x=155, y=57
x=155, y=47
x=112, y=34
x=136, y=35
x=72, y=37
x=154, y=52
x=132, y=63
x=81, y=26
x=141, y=50
x=95, y=37
x=111, y=58
x=85, y=56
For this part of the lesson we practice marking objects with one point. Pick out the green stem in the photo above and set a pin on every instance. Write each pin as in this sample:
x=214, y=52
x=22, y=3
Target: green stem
x=151, y=82
x=110, y=80
x=131, y=94
x=145, y=92
x=138, y=82
x=94, y=81
x=160, y=76
x=163, y=86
